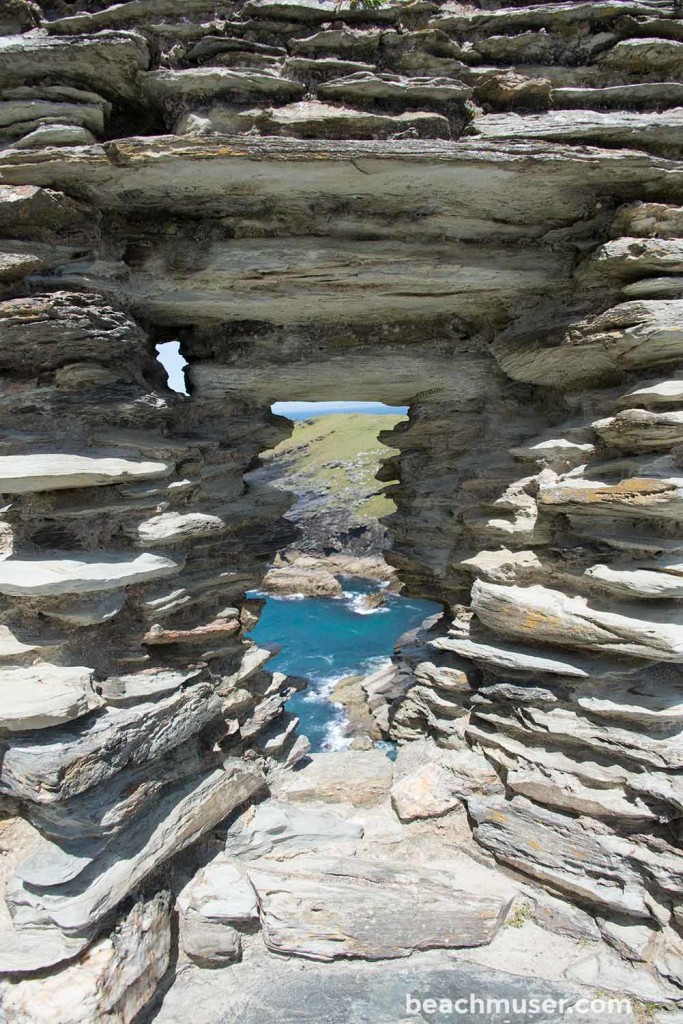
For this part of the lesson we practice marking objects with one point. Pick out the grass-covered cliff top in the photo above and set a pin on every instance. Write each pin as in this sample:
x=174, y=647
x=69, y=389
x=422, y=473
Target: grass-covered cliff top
x=339, y=455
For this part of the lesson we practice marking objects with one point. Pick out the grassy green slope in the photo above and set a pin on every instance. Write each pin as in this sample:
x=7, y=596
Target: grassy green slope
x=342, y=453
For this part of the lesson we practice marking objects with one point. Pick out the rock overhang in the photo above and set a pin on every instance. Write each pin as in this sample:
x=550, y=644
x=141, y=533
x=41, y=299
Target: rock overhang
x=523, y=182
x=373, y=230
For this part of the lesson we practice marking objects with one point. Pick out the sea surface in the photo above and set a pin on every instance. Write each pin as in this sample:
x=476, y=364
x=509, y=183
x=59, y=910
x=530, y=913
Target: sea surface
x=326, y=639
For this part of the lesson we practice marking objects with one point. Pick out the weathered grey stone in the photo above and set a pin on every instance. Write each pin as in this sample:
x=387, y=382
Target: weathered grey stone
x=55, y=135
x=522, y=657
x=654, y=288
x=107, y=809
x=211, y=45
x=424, y=793
x=505, y=90
x=373, y=991
x=223, y=288
x=108, y=63
x=20, y=474
x=491, y=285
x=311, y=119
x=49, y=106
x=302, y=11
x=193, y=85
x=67, y=761
x=658, y=132
x=564, y=918
x=637, y=583
x=637, y=55
x=275, y=825
x=631, y=939
x=555, y=788
x=44, y=695
x=18, y=17
x=429, y=782
x=549, y=847
x=363, y=87
x=555, y=778
x=605, y=974
x=174, y=528
x=209, y=942
x=627, y=258
x=212, y=907
x=14, y=266
x=132, y=12
x=552, y=616
x=300, y=579
x=324, y=908
x=89, y=611
x=144, y=685
x=363, y=778
x=641, y=430
x=28, y=950
x=112, y=982
x=86, y=573
x=648, y=220
x=220, y=891
x=630, y=335
x=345, y=42
x=653, y=749
x=558, y=453
x=178, y=819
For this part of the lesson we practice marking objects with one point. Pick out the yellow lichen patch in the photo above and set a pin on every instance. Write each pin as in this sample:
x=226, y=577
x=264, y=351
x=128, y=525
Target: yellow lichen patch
x=643, y=486
x=536, y=621
x=634, y=490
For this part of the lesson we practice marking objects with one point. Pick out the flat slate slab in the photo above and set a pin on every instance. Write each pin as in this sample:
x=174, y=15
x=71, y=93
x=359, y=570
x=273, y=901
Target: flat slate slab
x=44, y=695
x=326, y=907
x=361, y=777
x=52, y=471
x=84, y=573
x=25, y=950
x=266, y=989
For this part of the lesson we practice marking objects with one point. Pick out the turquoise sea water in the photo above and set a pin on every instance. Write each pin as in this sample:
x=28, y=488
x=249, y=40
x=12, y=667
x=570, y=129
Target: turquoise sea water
x=326, y=639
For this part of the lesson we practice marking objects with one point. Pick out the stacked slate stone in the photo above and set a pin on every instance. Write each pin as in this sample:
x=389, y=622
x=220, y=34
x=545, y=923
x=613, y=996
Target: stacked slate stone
x=477, y=209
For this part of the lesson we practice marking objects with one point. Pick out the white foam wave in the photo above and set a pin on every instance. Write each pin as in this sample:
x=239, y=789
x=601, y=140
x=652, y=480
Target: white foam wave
x=319, y=691
x=335, y=733
x=374, y=664
x=378, y=661
x=358, y=606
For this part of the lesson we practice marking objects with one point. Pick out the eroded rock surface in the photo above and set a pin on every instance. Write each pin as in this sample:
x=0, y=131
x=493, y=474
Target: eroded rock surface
x=471, y=209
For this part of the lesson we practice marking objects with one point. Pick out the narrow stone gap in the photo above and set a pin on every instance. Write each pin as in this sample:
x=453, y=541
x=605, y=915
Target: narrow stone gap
x=174, y=363
x=333, y=607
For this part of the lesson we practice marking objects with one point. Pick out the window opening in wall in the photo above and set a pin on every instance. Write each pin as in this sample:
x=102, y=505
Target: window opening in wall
x=169, y=355
x=332, y=601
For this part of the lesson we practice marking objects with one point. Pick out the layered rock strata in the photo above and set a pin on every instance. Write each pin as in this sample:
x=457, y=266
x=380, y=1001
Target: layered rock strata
x=476, y=211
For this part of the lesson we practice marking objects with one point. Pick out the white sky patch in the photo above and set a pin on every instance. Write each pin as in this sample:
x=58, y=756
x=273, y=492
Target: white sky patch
x=304, y=410
x=168, y=354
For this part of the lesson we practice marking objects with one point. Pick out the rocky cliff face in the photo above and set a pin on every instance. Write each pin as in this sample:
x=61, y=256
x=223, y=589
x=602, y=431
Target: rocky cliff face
x=476, y=210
